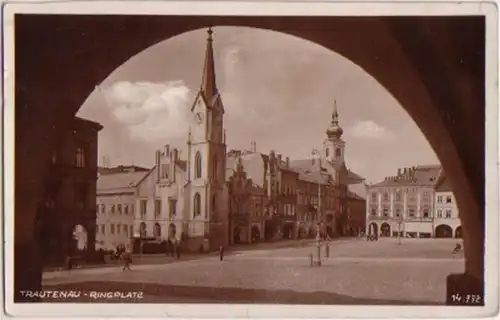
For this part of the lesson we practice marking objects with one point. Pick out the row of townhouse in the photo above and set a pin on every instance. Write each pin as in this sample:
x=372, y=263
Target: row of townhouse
x=417, y=202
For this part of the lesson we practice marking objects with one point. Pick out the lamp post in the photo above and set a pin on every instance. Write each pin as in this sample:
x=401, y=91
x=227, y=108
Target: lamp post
x=318, y=244
x=400, y=221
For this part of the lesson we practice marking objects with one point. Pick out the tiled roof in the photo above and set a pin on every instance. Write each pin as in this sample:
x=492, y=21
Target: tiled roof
x=107, y=182
x=328, y=167
x=358, y=189
x=425, y=175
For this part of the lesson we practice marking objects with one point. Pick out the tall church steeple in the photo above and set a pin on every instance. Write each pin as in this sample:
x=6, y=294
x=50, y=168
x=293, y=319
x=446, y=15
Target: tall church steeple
x=208, y=82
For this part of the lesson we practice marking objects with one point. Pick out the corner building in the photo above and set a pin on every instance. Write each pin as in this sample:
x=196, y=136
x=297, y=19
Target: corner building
x=403, y=203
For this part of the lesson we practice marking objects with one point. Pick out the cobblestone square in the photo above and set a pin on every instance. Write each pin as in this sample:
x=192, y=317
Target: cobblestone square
x=357, y=272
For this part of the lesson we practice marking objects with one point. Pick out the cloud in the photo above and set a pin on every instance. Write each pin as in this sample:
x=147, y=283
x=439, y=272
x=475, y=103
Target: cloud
x=368, y=129
x=150, y=111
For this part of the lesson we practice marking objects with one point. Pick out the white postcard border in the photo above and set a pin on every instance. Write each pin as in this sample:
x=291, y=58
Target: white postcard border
x=261, y=8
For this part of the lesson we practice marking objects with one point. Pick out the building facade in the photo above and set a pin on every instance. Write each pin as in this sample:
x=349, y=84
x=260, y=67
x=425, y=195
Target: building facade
x=117, y=191
x=447, y=222
x=66, y=220
x=403, y=204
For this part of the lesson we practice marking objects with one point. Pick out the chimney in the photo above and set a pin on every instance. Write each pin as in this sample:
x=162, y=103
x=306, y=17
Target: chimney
x=166, y=151
x=279, y=159
x=253, y=146
x=157, y=164
x=288, y=162
x=399, y=172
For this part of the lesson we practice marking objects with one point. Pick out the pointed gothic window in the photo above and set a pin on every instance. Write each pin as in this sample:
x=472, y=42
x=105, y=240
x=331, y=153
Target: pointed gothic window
x=197, y=165
x=197, y=204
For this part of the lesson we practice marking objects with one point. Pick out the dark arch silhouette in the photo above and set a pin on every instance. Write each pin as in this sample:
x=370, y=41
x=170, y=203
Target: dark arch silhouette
x=385, y=230
x=255, y=234
x=157, y=230
x=443, y=231
x=458, y=232
x=410, y=67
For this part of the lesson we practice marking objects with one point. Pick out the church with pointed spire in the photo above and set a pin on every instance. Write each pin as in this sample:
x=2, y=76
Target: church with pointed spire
x=210, y=197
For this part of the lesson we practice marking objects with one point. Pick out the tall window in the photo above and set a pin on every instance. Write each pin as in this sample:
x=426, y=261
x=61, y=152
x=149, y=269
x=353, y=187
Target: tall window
x=327, y=152
x=398, y=212
x=448, y=199
x=385, y=211
x=411, y=212
x=338, y=153
x=112, y=229
x=386, y=196
x=448, y=213
x=440, y=213
x=425, y=212
x=197, y=165
x=164, y=171
x=119, y=207
x=440, y=199
x=80, y=157
x=197, y=204
x=103, y=229
x=125, y=230
x=142, y=229
x=112, y=208
x=172, y=207
x=118, y=228
x=373, y=211
x=215, y=167
x=398, y=195
x=125, y=208
x=157, y=208
x=374, y=196
x=144, y=208
x=131, y=230
x=132, y=208
x=214, y=203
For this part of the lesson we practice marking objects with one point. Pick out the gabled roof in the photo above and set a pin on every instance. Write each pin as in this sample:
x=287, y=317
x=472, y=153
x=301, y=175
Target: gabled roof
x=358, y=189
x=121, y=180
x=308, y=165
x=424, y=175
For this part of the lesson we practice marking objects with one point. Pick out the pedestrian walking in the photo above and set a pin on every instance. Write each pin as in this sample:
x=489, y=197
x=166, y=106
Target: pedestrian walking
x=221, y=253
x=127, y=260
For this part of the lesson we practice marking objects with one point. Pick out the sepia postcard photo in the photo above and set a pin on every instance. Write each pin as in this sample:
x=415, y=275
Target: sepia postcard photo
x=250, y=159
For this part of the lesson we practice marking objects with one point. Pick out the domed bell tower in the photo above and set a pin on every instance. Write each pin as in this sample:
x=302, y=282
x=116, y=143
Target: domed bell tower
x=333, y=145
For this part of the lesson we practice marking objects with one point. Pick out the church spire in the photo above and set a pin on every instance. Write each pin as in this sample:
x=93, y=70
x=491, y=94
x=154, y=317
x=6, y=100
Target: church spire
x=208, y=84
x=334, y=130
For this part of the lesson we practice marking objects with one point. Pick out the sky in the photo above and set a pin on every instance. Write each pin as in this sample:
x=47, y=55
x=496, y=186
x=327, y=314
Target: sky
x=277, y=90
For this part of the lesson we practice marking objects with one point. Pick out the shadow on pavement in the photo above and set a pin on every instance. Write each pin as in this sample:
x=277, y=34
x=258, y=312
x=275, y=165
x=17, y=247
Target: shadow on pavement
x=217, y=295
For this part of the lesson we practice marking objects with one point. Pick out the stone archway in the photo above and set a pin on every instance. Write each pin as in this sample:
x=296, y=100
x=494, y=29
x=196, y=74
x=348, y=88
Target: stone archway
x=373, y=229
x=385, y=230
x=443, y=231
x=458, y=232
x=255, y=234
x=452, y=119
x=237, y=235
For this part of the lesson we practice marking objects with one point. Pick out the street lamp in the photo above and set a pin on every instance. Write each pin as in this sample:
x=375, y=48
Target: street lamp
x=400, y=222
x=318, y=244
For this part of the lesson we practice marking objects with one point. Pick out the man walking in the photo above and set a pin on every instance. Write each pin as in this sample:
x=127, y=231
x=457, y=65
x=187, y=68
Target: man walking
x=127, y=260
x=221, y=253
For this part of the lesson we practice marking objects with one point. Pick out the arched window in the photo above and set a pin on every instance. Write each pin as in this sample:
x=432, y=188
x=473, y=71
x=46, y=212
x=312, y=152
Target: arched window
x=157, y=230
x=197, y=165
x=196, y=204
